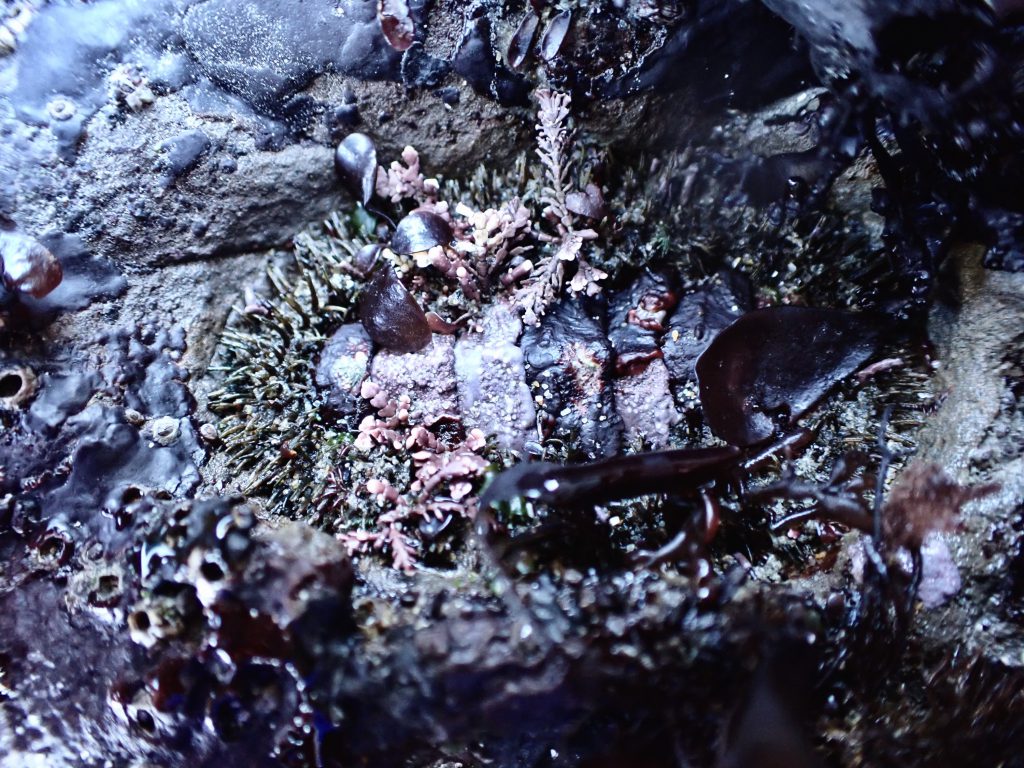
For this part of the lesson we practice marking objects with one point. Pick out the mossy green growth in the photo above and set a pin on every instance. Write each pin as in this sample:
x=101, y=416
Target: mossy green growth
x=271, y=417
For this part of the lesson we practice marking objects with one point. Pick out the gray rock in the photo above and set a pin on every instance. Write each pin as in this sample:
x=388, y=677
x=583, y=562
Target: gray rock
x=343, y=365
x=977, y=438
x=230, y=156
x=696, y=321
x=178, y=155
x=59, y=398
x=285, y=45
x=492, y=385
x=233, y=123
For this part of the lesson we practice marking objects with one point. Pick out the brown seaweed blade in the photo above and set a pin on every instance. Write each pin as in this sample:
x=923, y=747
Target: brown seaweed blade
x=771, y=366
x=622, y=477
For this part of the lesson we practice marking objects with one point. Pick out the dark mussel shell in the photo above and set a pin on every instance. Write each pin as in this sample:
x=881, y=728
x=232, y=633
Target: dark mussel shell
x=771, y=366
x=390, y=314
x=554, y=36
x=519, y=45
x=355, y=160
x=366, y=258
x=420, y=231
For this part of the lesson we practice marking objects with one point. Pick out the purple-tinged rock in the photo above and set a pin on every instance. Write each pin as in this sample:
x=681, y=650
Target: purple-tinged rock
x=644, y=402
x=426, y=377
x=643, y=398
x=940, y=578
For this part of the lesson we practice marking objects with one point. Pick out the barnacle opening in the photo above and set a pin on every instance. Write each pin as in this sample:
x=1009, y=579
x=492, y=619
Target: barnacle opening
x=17, y=386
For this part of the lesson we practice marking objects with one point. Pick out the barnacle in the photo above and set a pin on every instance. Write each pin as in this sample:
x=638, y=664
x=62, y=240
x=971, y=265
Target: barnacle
x=17, y=386
x=26, y=266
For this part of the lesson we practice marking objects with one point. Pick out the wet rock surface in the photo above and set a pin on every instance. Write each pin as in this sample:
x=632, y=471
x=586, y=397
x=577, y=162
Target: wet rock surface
x=284, y=47
x=493, y=394
x=962, y=435
x=698, y=318
x=865, y=163
x=568, y=361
